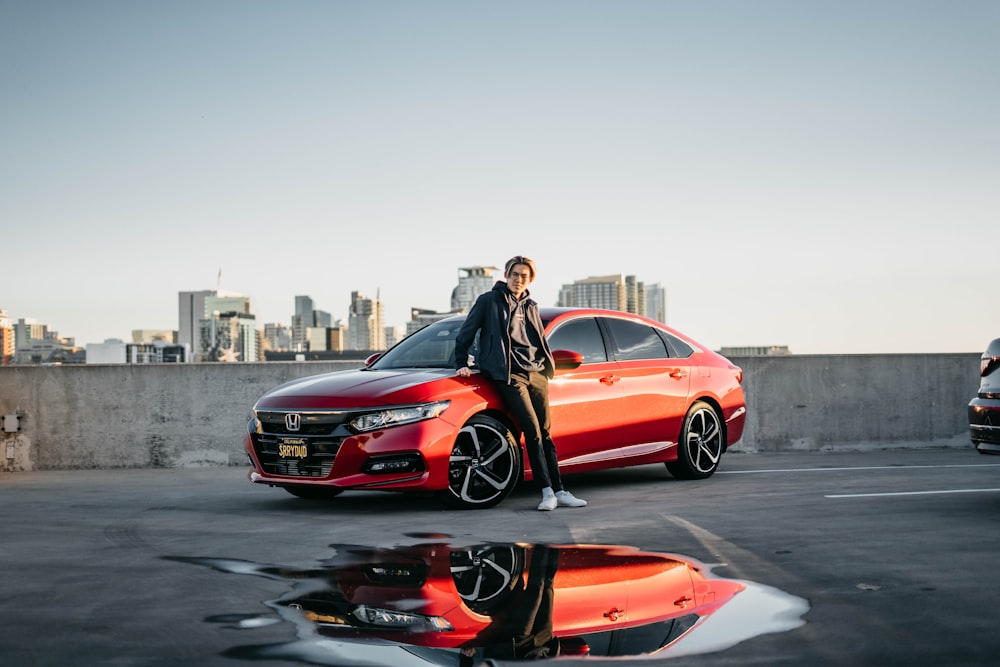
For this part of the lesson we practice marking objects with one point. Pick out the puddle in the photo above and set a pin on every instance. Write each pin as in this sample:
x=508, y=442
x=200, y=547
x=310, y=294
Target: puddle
x=436, y=603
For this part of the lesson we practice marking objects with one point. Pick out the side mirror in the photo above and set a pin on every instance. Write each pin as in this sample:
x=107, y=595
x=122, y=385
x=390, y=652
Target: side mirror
x=371, y=360
x=567, y=358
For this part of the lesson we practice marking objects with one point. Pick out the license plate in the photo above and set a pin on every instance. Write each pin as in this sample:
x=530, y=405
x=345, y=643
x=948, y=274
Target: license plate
x=293, y=448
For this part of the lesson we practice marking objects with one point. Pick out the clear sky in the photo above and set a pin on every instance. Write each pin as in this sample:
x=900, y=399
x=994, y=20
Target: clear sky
x=822, y=175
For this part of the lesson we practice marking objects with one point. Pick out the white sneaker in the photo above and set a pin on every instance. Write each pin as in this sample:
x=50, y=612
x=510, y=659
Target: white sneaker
x=549, y=501
x=566, y=499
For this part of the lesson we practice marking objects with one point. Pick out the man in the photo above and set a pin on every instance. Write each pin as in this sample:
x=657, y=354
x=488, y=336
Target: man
x=514, y=354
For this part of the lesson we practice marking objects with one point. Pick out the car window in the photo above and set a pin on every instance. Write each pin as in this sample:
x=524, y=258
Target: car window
x=635, y=341
x=580, y=335
x=676, y=346
x=431, y=347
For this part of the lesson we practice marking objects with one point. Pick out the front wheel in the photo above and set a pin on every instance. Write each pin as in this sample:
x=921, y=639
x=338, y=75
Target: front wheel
x=485, y=464
x=701, y=444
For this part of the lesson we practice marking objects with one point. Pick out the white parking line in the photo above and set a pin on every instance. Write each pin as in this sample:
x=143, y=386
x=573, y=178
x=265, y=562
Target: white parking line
x=910, y=493
x=904, y=467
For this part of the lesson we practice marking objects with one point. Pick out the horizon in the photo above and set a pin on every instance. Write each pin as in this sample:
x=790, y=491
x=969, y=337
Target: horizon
x=817, y=175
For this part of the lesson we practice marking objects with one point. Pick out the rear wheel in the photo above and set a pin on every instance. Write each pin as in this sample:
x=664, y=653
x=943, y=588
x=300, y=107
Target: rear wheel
x=485, y=464
x=313, y=492
x=701, y=445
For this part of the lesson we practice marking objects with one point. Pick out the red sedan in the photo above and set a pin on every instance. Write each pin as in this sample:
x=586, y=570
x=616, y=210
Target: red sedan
x=575, y=599
x=627, y=391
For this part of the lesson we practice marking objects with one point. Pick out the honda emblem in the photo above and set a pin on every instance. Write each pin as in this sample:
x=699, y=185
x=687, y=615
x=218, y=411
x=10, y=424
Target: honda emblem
x=293, y=421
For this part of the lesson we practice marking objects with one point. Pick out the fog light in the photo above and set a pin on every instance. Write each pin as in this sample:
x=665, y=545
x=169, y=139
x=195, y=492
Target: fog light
x=391, y=464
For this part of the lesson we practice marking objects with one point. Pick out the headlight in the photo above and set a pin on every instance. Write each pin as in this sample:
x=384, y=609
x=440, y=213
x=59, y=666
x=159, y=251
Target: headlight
x=373, y=421
x=253, y=425
x=392, y=619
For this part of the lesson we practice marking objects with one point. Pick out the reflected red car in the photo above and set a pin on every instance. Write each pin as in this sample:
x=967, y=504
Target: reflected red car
x=574, y=599
x=627, y=391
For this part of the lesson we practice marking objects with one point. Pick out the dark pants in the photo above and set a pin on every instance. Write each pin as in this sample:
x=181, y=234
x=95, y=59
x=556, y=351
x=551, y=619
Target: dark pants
x=527, y=398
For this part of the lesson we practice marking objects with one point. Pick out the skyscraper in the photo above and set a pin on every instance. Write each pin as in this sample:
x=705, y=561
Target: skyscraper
x=472, y=281
x=6, y=338
x=656, y=302
x=191, y=311
x=365, y=330
x=615, y=292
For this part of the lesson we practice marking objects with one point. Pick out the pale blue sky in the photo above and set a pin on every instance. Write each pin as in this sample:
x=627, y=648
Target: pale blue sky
x=822, y=175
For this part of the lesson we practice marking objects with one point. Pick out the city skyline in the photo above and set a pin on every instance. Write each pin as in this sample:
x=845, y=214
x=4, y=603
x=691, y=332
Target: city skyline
x=297, y=301
x=814, y=175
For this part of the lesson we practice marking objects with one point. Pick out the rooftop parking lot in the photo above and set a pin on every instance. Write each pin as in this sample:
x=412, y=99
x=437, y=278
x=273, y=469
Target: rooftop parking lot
x=891, y=553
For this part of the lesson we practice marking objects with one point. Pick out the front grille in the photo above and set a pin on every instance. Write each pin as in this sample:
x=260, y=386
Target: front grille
x=321, y=432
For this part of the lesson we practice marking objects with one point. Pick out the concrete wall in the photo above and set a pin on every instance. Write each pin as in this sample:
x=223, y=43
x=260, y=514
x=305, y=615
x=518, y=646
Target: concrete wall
x=182, y=415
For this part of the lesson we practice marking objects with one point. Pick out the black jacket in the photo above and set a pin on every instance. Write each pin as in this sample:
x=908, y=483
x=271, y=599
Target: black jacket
x=490, y=316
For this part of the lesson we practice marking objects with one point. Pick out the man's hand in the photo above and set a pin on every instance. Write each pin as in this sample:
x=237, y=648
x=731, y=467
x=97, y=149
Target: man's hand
x=464, y=372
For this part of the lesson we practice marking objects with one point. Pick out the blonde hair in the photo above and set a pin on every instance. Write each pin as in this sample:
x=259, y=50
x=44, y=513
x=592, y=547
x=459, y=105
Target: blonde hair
x=518, y=259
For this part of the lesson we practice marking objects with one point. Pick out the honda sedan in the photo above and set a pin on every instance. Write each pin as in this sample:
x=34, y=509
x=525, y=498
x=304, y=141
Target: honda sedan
x=627, y=391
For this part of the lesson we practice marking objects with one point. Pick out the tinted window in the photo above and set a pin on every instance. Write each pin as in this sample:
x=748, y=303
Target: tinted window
x=431, y=347
x=583, y=336
x=636, y=341
x=677, y=347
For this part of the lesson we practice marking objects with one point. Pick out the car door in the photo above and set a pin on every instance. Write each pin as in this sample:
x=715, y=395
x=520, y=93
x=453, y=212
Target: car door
x=655, y=386
x=586, y=402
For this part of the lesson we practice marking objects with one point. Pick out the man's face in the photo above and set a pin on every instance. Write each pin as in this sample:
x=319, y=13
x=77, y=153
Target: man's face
x=518, y=279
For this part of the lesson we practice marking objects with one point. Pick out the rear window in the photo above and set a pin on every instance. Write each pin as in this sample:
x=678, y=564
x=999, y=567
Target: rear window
x=634, y=340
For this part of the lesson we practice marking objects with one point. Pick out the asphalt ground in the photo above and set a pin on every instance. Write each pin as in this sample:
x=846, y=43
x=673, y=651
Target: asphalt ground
x=890, y=554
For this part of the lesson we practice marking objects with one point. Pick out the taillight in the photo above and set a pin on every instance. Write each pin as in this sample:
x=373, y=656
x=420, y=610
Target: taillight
x=737, y=373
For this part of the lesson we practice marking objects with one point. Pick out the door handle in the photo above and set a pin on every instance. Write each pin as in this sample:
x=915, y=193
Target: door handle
x=613, y=614
x=682, y=602
x=610, y=379
x=678, y=374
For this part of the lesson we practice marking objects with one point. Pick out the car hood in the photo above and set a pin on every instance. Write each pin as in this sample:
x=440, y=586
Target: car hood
x=362, y=388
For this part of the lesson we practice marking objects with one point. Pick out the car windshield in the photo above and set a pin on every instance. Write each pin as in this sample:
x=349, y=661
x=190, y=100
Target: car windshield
x=430, y=347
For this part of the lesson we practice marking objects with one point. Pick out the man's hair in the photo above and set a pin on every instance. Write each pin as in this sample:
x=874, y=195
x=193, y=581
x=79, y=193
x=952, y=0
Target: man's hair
x=519, y=260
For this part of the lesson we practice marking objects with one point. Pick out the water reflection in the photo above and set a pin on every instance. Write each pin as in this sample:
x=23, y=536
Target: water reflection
x=438, y=604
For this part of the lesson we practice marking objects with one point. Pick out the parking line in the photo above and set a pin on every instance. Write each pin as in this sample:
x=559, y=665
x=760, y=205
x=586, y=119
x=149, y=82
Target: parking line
x=904, y=467
x=910, y=493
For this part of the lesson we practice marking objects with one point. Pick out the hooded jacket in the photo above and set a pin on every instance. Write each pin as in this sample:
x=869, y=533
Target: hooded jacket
x=490, y=316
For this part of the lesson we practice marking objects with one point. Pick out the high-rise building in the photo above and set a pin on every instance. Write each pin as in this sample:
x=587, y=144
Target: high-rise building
x=615, y=292
x=229, y=336
x=656, y=303
x=27, y=330
x=322, y=318
x=472, y=281
x=6, y=338
x=365, y=330
x=227, y=331
x=393, y=334
x=421, y=317
x=191, y=310
x=304, y=308
x=635, y=296
x=278, y=337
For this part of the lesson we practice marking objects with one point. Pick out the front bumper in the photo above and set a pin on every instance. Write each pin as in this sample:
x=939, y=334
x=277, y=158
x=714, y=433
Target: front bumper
x=984, y=424
x=347, y=463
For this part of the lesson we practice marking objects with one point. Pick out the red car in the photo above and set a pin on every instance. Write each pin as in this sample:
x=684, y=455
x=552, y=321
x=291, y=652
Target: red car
x=627, y=391
x=576, y=599
x=498, y=600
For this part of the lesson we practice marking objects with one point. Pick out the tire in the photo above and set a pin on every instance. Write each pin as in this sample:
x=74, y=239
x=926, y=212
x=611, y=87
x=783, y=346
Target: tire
x=486, y=575
x=485, y=465
x=313, y=492
x=701, y=443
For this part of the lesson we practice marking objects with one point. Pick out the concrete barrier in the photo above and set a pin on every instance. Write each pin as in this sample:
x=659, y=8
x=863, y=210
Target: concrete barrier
x=185, y=415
